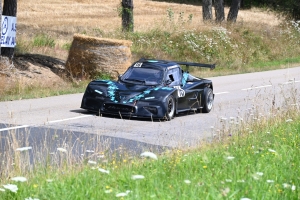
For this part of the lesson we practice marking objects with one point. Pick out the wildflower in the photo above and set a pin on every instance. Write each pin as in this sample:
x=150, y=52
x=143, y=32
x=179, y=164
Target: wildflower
x=49, y=180
x=11, y=187
x=289, y=120
x=272, y=151
x=61, y=150
x=123, y=194
x=89, y=151
x=228, y=180
x=270, y=181
x=103, y=170
x=285, y=185
x=136, y=177
x=187, y=181
x=29, y=198
x=293, y=187
x=23, y=149
x=149, y=155
x=92, y=162
x=19, y=179
x=245, y=198
x=204, y=167
x=2, y=190
x=108, y=191
x=230, y=158
x=259, y=173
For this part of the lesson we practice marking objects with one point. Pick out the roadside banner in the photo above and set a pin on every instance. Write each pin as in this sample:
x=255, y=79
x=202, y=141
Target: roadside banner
x=8, y=31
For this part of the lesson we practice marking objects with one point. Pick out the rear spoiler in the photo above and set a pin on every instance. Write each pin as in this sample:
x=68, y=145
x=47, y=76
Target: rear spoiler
x=187, y=64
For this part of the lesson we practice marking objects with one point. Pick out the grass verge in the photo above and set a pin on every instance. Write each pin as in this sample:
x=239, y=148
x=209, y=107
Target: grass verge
x=257, y=161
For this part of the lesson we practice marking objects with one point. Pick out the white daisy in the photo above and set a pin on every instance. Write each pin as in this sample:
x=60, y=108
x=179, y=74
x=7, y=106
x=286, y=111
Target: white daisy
x=149, y=155
x=103, y=170
x=136, y=177
x=123, y=194
x=230, y=158
x=11, y=187
x=61, y=150
x=19, y=179
x=272, y=151
x=92, y=162
x=23, y=149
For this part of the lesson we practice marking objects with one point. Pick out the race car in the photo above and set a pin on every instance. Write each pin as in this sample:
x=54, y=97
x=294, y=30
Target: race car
x=157, y=89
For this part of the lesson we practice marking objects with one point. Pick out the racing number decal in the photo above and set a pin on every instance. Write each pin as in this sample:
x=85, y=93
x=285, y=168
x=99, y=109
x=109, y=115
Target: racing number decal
x=139, y=64
x=181, y=92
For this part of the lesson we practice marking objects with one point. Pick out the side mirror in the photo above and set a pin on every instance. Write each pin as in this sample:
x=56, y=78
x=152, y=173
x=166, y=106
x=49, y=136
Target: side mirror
x=119, y=77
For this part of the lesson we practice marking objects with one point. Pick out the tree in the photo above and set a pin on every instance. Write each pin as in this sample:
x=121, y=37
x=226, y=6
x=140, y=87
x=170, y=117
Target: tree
x=234, y=9
x=288, y=8
x=9, y=9
x=219, y=10
x=127, y=15
x=207, y=10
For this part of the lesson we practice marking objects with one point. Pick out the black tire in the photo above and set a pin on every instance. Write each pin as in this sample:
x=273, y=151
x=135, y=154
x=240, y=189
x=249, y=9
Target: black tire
x=207, y=100
x=170, y=107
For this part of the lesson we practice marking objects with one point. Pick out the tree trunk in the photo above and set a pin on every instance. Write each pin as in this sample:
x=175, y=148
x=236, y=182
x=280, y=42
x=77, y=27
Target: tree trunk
x=9, y=9
x=234, y=10
x=296, y=11
x=207, y=10
x=219, y=10
x=127, y=15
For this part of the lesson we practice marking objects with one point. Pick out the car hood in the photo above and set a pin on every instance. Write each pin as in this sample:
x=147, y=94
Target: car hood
x=119, y=92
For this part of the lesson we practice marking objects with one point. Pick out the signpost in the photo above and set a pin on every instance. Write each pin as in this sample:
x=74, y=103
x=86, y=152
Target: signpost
x=8, y=31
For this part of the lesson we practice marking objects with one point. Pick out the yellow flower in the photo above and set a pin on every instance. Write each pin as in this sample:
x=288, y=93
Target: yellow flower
x=204, y=167
x=35, y=185
x=107, y=187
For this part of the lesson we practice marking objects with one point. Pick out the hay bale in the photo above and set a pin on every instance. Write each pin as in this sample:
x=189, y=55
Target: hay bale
x=90, y=56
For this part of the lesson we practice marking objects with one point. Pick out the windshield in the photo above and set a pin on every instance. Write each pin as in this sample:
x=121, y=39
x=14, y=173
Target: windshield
x=147, y=76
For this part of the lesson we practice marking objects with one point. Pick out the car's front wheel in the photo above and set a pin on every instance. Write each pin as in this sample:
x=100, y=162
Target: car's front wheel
x=208, y=100
x=170, y=105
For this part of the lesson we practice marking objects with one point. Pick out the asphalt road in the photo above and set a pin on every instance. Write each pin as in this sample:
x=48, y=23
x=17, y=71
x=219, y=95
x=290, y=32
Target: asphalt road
x=36, y=121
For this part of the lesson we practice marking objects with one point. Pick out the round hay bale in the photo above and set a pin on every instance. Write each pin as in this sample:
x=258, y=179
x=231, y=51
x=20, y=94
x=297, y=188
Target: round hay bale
x=91, y=56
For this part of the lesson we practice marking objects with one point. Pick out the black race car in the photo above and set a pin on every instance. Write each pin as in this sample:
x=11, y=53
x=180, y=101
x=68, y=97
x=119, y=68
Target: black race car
x=151, y=88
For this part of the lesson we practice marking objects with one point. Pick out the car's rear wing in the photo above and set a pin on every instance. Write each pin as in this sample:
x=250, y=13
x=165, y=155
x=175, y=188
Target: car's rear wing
x=187, y=64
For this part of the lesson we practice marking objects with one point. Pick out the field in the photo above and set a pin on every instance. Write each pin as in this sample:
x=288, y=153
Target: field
x=62, y=19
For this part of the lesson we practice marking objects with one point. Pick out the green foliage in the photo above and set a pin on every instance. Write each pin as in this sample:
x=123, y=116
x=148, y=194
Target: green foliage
x=102, y=76
x=43, y=40
x=66, y=46
x=230, y=47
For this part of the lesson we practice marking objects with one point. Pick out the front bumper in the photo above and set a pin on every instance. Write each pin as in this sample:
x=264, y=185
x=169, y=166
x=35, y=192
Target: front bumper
x=151, y=109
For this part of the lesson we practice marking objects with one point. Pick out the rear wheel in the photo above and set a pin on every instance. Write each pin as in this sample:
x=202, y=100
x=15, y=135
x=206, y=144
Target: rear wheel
x=170, y=105
x=208, y=100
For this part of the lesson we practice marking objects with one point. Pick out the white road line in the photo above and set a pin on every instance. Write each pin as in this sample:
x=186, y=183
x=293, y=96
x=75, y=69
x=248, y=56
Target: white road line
x=258, y=87
x=221, y=93
x=15, y=127
x=49, y=122
x=67, y=119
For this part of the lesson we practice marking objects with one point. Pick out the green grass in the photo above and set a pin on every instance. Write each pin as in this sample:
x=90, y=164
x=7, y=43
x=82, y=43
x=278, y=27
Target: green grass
x=20, y=91
x=258, y=164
